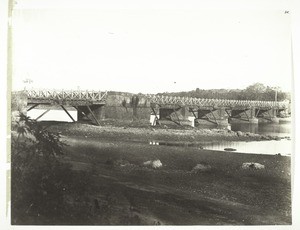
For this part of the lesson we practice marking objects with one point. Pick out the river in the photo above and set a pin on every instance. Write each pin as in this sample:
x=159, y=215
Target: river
x=281, y=129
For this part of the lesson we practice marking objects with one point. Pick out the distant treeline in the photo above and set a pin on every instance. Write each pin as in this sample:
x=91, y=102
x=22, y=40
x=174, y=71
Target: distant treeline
x=256, y=91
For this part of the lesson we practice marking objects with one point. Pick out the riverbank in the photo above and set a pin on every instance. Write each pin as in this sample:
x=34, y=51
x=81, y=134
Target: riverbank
x=220, y=191
x=189, y=186
x=123, y=180
x=130, y=182
x=134, y=132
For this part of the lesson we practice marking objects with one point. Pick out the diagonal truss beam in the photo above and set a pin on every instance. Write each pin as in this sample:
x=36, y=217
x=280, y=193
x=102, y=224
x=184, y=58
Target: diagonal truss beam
x=32, y=107
x=93, y=115
x=42, y=114
x=156, y=117
x=67, y=113
x=82, y=112
x=204, y=102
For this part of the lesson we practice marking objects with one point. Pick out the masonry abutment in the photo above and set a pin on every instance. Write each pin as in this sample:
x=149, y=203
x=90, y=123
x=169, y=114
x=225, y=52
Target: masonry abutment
x=99, y=111
x=275, y=120
x=253, y=120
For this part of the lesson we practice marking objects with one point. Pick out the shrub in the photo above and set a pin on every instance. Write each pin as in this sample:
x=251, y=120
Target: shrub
x=42, y=186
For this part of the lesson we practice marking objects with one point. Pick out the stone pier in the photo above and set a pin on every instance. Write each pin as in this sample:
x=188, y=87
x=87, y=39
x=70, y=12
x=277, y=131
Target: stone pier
x=216, y=116
x=267, y=115
x=247, y=115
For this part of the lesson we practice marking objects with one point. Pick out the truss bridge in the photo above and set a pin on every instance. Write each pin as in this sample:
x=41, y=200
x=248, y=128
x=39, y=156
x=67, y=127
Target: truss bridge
x=218, y=111
x=89, y=104
x=99, y=105
x=66, y=97
x=213, y=103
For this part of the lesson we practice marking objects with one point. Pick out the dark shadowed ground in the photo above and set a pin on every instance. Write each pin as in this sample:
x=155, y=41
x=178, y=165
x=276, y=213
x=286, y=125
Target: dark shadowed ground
x=121, y=190
x=127, y=192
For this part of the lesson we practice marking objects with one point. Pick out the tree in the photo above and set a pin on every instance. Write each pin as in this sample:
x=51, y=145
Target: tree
x=256, y=91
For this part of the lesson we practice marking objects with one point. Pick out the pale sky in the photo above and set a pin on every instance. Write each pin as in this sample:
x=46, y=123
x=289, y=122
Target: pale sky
x=151, y=49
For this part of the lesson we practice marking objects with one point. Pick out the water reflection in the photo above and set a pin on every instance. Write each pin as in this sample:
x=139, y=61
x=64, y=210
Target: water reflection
x=245, y=127
x=282, y=147
x=283, y=128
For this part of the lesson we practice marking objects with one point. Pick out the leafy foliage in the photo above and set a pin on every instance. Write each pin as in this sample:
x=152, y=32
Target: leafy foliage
x=42, y=141
x=255, y=91
x=42, y=185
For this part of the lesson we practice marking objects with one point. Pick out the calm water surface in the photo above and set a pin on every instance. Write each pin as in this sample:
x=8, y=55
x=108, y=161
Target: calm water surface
x=283, y=147
x=283, y=128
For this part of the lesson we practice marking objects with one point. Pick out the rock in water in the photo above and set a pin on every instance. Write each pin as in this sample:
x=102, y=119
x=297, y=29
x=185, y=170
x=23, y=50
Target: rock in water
x=230, y=149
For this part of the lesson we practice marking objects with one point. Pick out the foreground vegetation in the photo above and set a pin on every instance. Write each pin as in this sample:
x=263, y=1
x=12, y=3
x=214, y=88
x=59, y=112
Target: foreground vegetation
x=41, y=184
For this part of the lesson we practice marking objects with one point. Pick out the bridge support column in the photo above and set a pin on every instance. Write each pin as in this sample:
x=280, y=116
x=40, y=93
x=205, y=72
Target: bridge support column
x=267, y=115
x=99, y=111
x=251, y=116
x=80, y=114
x=222, y=117
x=93, y=112
x=217, y=116
x=187, y=117
x=253, y=120
x=240, y=115
x=274, y=118
x=273, y=115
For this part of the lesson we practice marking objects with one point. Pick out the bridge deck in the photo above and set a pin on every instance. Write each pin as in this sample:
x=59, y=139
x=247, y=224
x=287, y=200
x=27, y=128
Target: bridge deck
x=214, y=103
x=66, y=97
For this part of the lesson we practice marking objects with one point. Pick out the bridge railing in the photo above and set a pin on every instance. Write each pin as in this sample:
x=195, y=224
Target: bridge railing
x=189, y=101
x=72, y=95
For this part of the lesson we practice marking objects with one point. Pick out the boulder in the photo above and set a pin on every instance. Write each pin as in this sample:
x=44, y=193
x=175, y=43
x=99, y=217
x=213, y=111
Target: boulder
x=252, y=165
x=239, y=133
x=147, y=162
x=265, y=137
x=122, y=163
x=154, y=164
x=201, y=168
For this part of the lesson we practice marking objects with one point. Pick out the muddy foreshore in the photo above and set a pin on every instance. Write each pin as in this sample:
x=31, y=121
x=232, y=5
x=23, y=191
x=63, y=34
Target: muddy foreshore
x=221, y=192
x=123, y=190
x=126, y=132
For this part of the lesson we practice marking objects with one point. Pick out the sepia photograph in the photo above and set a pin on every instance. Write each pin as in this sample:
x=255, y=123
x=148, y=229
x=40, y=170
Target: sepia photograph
x=150, y=113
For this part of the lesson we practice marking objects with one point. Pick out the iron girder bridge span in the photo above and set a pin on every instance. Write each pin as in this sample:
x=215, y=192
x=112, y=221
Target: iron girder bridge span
x=205, y=109
x=88, y=103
